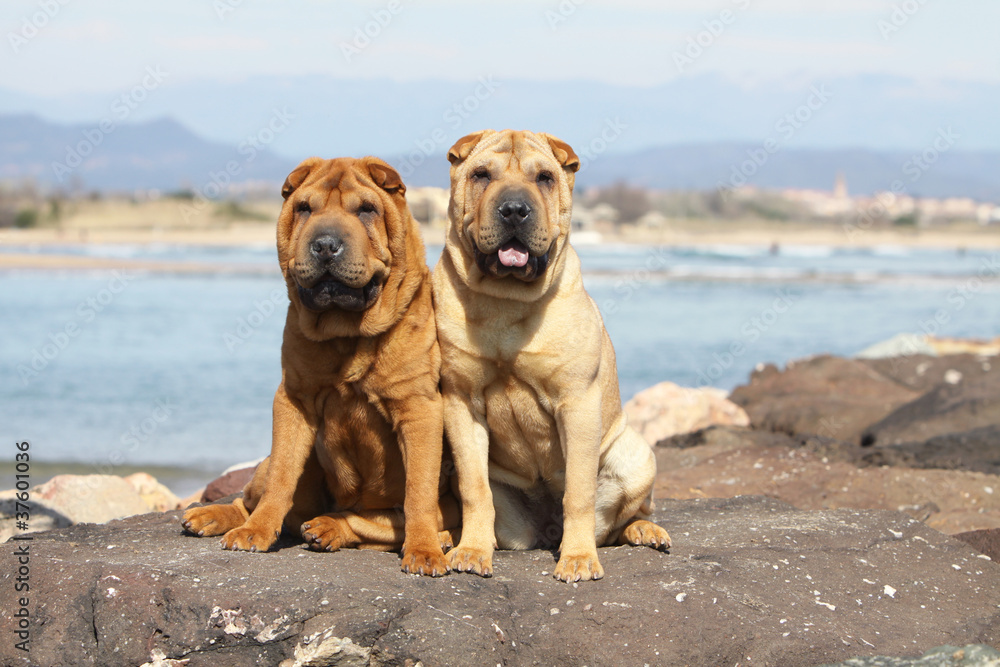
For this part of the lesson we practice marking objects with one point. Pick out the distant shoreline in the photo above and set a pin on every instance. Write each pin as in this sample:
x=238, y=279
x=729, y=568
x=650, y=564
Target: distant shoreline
x=686, y=233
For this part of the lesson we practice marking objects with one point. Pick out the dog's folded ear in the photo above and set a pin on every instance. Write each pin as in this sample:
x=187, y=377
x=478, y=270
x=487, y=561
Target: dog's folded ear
x=563, y=153
x=298, y=176
x=464, y=146
x=385, y=177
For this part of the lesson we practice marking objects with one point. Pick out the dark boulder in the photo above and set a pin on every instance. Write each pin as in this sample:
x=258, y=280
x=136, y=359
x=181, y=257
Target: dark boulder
x=922, y=372
x=828, y=396
x=947, y=408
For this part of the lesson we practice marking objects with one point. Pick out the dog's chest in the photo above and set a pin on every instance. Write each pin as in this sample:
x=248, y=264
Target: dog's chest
x=524, y=438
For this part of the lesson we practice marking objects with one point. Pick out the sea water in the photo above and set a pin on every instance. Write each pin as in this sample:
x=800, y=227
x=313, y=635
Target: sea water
x=110, y=373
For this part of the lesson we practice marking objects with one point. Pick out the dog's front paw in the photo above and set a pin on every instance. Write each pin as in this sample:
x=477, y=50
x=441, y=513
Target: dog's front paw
x=578, y=567
x=470, y=559
x=647, y=534
x=212, y=520
x=327, y=533
x=246, y=538
x=430, y=562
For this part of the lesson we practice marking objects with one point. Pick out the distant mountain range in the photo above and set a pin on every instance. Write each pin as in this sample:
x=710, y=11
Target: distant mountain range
x=330, y=116
x=165, y=155
x=159, y=154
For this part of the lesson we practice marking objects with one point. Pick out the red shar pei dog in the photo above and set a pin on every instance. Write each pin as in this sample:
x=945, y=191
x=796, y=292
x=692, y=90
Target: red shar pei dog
x=358, y=415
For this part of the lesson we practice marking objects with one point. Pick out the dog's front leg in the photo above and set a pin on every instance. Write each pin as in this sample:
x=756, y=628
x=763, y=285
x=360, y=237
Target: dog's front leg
x=421, y=438
x=579, y=422
x=293, y=438
x=470, y=445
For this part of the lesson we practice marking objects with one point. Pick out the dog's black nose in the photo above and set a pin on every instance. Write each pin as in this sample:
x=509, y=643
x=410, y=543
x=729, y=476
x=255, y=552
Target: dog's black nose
x=514, y=211
x=326, y=247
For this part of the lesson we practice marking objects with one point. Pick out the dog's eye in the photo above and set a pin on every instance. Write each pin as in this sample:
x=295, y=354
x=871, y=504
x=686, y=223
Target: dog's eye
x=545, y=178
x=303, y=208
x=367, y=208
x=481, y=174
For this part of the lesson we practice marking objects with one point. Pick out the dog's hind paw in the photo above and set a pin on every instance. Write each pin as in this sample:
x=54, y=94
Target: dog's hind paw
x=327, y=533
x=646, y=533
x=212, y=520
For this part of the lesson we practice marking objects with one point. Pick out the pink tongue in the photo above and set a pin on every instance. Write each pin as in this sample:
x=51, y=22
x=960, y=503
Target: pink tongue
x=513, y=253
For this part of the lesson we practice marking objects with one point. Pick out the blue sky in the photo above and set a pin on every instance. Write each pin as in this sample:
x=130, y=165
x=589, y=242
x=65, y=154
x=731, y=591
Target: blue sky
x=92, y=45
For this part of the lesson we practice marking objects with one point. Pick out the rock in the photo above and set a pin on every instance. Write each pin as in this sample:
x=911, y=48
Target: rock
x=950, y=407
x=69, y=499
x=229, y=483
x=983, y=541
x=922, y=373
x=667, y=409
x=196, y=497
x=828, y=396
x=748, y=580
x=156, y=496
x=900, y=345
x=974, y=655
x=977, y=450
x=817, y=473
x=42, y=517
x=245, y=464
x=944, y=346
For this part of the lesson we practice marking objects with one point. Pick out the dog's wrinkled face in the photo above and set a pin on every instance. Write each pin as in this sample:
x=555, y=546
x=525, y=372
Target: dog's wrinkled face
x=345, y=238
x=336, y=246
x=511, y=194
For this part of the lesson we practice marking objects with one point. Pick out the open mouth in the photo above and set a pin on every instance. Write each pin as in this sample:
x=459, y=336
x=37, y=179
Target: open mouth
x=331, y=293
x=512, y=259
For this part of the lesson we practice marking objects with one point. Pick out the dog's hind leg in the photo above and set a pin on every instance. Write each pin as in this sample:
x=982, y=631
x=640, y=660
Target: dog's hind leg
x=339, y=530
x=210, y=520
x=625, y=495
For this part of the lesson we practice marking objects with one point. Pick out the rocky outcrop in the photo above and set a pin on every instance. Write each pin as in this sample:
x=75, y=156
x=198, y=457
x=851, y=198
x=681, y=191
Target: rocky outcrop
x=922, y=372
x=156, y=496
x=976, y=450
x=749, y=580
x=984, y=541
x=977, y=655
x=953, y=406
x=68, y=499
x=227, y=484
x=811, y=472
x=667, y=409
x=828, y=396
